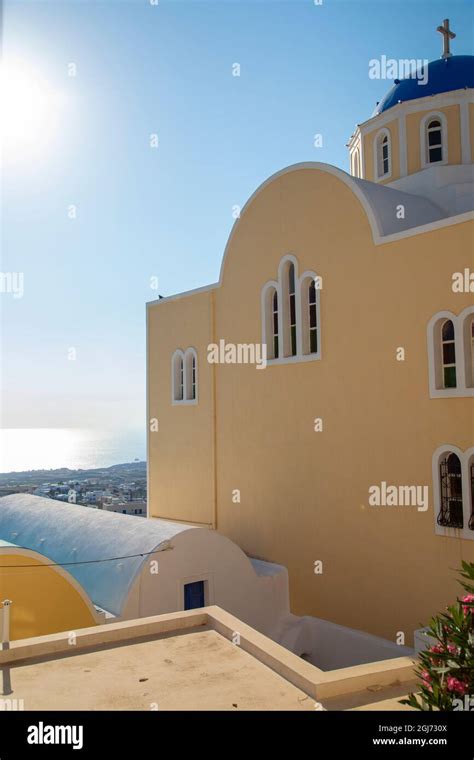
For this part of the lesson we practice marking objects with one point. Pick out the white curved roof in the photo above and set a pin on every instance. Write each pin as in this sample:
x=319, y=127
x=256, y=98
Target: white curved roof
x=69, y=533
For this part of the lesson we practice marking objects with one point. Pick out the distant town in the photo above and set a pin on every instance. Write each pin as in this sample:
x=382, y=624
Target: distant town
x=119, y=488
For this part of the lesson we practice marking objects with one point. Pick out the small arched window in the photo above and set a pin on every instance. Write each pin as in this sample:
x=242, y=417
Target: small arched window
x=292, y=309
x=450, y=482
x=383, y=154
x=448, y=354
x=434, y=142
x=275, y=336
x=190, y=381
x=468, y=331
x=178, y=376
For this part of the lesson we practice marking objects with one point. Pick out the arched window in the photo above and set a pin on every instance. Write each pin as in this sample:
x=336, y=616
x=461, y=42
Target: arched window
x=292, y=309
x=271, y=319
x=450, y=514
x=468, y=335
x=288, y=345
x=275, y=324
x=383, y=155
x=448, y=354
x=177, y=366
x=190, y=376
x=309, y=305
x=434, y=139
x=434, y=142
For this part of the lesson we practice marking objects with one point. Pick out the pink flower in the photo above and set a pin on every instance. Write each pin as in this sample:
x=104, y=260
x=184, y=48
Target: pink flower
x=454, y=684
x=437, y=648
x=469, y=598
x=452, y=649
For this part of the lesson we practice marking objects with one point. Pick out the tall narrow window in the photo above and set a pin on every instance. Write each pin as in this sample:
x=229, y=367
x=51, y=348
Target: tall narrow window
x=434, y=142
x=382, y=155
x=313, y=326
x=292, y=310
x=275, y=325
x=448, y=355
x=178, y=376
x=190, y=374
x=451, y=507
x=193, y=377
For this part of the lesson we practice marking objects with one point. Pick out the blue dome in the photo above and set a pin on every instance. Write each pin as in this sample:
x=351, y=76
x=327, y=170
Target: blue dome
x=444, y=75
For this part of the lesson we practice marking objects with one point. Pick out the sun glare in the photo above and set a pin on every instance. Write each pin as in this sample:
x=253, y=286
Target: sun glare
x=30, y=111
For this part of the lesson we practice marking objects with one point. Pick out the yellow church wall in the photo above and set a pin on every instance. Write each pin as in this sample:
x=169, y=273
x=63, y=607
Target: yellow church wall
x=304, y=494
x=45, y=599
x=471, y=126
x=182, y=449
x=413, y=125
x=369, y=140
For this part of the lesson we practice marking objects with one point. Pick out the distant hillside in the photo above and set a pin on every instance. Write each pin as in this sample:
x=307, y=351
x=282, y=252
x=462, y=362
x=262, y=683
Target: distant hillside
x=128, y=470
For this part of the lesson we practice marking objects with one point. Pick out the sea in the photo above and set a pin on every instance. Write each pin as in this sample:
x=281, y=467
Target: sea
x=24, y=449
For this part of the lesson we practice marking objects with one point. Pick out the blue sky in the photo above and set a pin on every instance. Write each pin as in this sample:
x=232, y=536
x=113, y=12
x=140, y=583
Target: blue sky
x=165, y=212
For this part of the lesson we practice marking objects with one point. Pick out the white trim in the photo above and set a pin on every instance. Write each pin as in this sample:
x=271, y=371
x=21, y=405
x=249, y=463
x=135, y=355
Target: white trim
x=188, y=357
x=352, y=184
x=273, y=285
x=362, y=162
x=465, y=133
x=184, y=356
x=378, y=160
x=178, y=353
x=461, y=390
x=424, y=103
x=464, y=457
x=441, y=117
x=402, y=143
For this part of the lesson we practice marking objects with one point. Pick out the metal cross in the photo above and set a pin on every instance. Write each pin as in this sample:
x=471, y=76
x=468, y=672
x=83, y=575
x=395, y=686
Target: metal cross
x=447, y=35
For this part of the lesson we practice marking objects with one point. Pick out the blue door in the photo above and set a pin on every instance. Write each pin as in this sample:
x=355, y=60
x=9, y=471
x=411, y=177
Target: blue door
x=194, y=595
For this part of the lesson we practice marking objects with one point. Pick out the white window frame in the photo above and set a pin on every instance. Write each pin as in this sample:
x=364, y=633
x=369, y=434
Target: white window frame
x=281, y=287
x=186, y=358
x=466, y=458
x=464, y=379
x=378, y=142
x=441, y=117
x=189, y=355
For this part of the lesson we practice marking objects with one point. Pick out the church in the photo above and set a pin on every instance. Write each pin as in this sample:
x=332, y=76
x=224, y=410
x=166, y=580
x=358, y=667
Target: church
x=355, y=291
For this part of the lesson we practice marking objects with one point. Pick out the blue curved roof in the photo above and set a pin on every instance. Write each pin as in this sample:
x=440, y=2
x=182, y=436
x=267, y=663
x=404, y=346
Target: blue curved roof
x=444, y=75
x=71, y=533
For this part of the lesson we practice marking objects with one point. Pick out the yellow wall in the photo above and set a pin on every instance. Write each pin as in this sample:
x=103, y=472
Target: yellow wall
x=471, y=126
x=44, y=600
x=182, y=449
x=413, y=122
x=304, y=495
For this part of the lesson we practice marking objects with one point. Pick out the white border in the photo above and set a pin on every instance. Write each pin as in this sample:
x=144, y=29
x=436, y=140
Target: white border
x=375, y=147
x=464, y=457
x=441, y=117
x=461, y=391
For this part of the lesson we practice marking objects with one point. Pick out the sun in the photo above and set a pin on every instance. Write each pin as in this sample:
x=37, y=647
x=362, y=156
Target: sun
x=31, y=111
